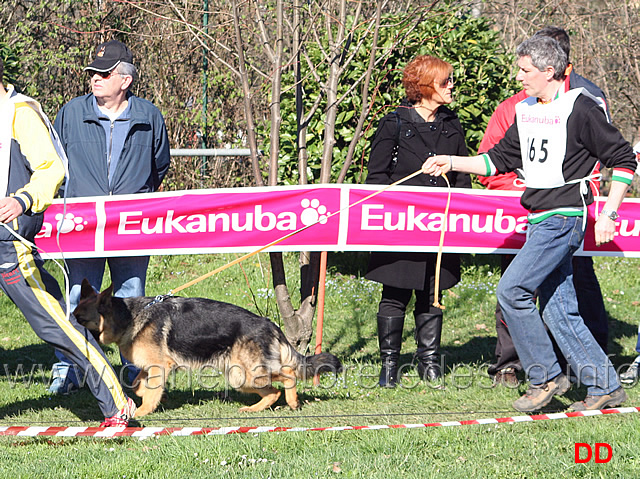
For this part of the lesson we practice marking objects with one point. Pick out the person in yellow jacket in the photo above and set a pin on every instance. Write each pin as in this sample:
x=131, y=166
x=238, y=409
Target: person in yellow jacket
x=32, y=167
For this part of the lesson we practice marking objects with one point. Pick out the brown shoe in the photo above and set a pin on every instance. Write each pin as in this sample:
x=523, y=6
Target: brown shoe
x=592, y=403
x=539, y=396
x=506, y=377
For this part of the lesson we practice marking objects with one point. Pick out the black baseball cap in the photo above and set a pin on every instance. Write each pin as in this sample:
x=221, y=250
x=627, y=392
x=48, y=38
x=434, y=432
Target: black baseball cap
x=109, y=55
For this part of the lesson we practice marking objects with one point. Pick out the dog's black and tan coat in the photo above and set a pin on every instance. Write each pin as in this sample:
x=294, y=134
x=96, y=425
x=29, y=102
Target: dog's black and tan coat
x=178, y=332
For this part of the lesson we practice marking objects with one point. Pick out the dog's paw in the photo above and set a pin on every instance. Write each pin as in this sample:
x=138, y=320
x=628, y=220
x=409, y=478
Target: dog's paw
x=143, y=411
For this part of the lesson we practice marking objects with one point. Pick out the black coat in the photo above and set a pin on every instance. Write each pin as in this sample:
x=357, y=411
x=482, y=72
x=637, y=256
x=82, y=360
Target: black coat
x=416, y=141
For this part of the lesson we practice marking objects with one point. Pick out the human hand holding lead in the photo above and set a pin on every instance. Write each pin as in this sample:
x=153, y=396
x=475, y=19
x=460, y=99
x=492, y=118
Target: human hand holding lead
x=10, y=209
x=437, y=165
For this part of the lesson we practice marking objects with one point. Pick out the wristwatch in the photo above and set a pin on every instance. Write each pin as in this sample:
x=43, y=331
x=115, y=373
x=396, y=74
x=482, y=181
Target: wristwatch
x=611, y=214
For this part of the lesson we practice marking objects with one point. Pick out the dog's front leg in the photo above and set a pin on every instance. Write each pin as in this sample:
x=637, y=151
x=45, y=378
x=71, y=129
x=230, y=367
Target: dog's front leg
x=289, y=380
x=151, y=389
x=138, y=384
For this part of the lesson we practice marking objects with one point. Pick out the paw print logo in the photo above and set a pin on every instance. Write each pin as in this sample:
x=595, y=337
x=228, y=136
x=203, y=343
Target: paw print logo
x=70, y=222
x=313, y=212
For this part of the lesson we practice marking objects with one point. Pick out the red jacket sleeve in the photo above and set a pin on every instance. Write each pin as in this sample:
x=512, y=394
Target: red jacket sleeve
x=499, y=123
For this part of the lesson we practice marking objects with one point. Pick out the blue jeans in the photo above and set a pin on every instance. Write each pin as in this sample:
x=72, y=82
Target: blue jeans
x=544, y=263
x=128, y=275
x=638, y=346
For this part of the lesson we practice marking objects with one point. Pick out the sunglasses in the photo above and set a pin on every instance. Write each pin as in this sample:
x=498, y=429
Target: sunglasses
x=104, y=75
x=446, y=82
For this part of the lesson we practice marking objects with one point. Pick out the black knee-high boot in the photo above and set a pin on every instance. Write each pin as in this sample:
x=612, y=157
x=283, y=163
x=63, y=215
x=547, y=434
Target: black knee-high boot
x=390, y=340
x=428, y=333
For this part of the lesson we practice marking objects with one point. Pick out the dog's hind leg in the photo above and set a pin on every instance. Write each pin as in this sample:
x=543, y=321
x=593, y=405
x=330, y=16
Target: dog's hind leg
x=269, y=396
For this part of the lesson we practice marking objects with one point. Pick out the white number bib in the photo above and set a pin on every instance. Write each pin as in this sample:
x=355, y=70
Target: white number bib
x=543, y=139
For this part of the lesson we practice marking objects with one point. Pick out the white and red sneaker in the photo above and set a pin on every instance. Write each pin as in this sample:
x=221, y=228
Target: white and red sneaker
x=123, y=417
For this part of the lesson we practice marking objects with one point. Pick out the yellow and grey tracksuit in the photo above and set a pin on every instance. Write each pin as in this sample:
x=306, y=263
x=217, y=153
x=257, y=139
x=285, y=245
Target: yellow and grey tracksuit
x=32, y=170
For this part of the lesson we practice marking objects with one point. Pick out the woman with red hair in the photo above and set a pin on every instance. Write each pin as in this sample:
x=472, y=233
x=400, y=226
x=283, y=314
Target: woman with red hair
x=422, y=126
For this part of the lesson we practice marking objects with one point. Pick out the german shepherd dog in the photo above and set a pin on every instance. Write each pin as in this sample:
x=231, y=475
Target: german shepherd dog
x=177, y=332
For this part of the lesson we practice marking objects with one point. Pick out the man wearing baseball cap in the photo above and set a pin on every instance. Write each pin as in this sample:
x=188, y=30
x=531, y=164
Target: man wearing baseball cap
x=109, y=55
x=117, y=143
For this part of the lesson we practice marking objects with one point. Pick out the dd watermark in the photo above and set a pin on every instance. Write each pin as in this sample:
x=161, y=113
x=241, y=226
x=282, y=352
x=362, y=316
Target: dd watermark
x=600, y=453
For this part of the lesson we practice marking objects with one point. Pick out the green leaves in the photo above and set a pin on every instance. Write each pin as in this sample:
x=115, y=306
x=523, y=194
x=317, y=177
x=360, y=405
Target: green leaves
x=45, y=50
x=10, y=61
x=482, y=73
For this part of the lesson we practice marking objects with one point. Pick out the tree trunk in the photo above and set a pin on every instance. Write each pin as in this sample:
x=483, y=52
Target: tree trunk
x=298, y=324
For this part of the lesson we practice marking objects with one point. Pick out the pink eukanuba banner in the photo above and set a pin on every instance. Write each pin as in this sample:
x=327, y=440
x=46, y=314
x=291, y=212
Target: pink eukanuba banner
x=305, y=218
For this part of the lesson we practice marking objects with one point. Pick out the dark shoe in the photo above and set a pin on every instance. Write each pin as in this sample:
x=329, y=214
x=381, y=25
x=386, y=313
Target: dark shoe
x=506, y=377
x=388, y=373
x=428, y=333
x=390, y=340
x=592, y=403
x=123, y=417
x=539, y=396
x=630, y=376
x=429, y=370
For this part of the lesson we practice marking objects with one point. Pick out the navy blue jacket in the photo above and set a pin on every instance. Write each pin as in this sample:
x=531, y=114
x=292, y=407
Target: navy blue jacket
x=144, y=160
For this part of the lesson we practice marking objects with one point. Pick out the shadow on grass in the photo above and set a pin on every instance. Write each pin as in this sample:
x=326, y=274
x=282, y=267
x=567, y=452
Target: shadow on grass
x=348, y=262
x=365, y=348
x=84, y=407
x=40, y=353
x=81, y=403
x=177, y=399
x=619, y=329
x=479, y=349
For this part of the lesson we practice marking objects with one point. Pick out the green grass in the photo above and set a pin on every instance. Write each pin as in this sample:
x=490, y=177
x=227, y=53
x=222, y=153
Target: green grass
x=540, y=449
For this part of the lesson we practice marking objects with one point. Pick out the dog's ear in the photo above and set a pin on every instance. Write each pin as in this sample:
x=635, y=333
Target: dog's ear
x=105, y=296
x=86, y=290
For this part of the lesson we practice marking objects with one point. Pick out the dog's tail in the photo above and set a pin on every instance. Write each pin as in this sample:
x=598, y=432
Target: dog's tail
x=321, y=363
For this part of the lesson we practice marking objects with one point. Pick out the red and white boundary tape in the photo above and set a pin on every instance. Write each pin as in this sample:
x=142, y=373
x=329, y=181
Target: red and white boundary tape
x=144, y=432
